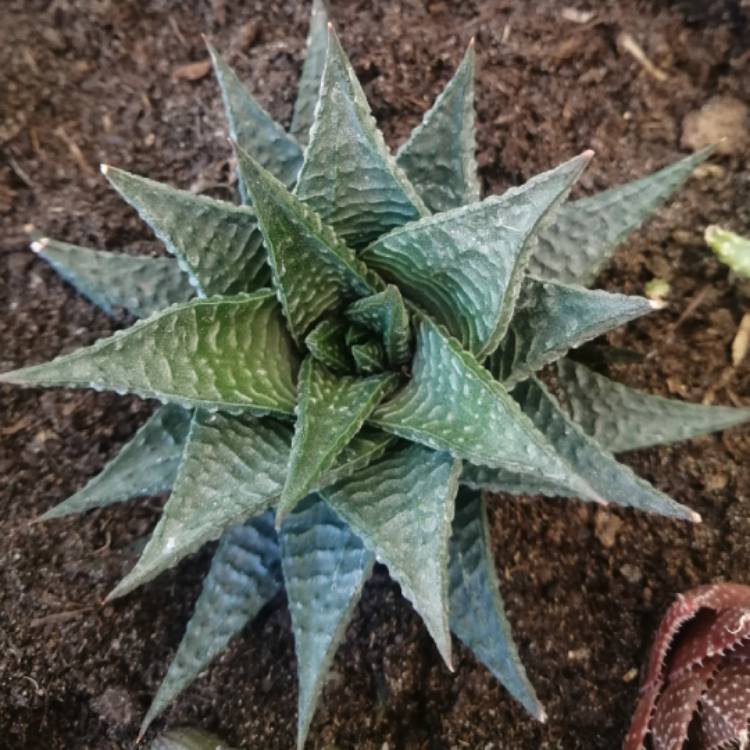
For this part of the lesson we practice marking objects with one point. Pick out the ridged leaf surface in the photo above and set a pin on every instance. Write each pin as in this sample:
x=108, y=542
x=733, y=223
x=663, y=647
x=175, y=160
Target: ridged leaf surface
x=452, y=403
x=368, y=357
x=330, y=411
x=216, y=243
x=586, y=232
x=551, y=318
x=312, y=73
x=219, y=353
x=245, y=574
x=477, y=611
x=624, y=419
x=465, y=266
x=327, y=344
x=145, y=465
x=137, y=283
x=439, y=158
x=313, y=271
x=254, y=129
x=402, y=507
x=349, y=176
x=325, y=567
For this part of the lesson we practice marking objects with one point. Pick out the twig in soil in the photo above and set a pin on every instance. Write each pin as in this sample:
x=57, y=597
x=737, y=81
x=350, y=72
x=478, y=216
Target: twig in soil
x=741, y=340
x=721, y=382
x=20, y=173
x=627, y=43
x=689, y=311
x=75, y=152
x=71, y=614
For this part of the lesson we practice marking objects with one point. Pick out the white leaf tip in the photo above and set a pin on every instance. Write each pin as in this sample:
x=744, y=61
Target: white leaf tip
x=695, y=517
x=104, y=168
x=657, y=304
x=38, y=246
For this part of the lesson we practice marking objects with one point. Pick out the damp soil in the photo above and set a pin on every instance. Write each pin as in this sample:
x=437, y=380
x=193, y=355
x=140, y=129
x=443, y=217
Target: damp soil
x=87, y=82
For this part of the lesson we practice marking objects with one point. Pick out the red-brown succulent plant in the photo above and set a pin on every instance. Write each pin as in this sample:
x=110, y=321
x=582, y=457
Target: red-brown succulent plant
x=696, y=690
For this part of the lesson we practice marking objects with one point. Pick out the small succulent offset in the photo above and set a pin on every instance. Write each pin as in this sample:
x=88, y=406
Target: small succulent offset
x=696, y=689
x=347, y=359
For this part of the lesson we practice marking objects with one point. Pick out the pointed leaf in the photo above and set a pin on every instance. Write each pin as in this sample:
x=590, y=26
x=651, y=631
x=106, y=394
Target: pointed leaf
x=402, y=507
x=452, y=403
x=327, y=344
x=385, y=314
x=146, y=465
x=465, y=266
x=349, y=176
x=477, y=611
x=227, y=353
x=140, y=284
x=216, y=243
x=233, y=469
x=254, y=129
x=325, y=567
x=368, y=357
x=438, y=158
x=611, y=480
x=330, y=411
x=313, y=271
x=552, y=318
x=624, y=419
x=312, y=73
x=245, y=575
x=586, y=232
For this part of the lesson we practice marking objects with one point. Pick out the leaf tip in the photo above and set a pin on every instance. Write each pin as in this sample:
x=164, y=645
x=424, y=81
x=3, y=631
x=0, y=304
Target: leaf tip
x=104, y=169
x=694, y=517
x=657, y=304
x=472, y=41
x=38, y=246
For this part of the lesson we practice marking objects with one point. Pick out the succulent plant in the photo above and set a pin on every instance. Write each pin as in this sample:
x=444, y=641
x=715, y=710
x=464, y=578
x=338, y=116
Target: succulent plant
x=348, y=358
x=696, y=687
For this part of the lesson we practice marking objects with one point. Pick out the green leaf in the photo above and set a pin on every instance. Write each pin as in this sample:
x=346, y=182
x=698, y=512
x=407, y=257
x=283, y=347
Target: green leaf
x=369, y=357
x=313, y=271
x=245, y=575
x=227, y=353
x=613, y=481
x=586, y=233
x=402, y=507
x=330, y=411
x=385, y=314
x=325, y=567
x=233, y=468
x=140, y=284
x=465, y=266
x=349, y=176
x=216, y=243
x=254, y=129
x=731, y=249
x=146, y=465
x=552, y=318
x=477, y=612
x=624, y=419
x=312, y=73
x=327, y=344
x=452, y=403
x=438, y=158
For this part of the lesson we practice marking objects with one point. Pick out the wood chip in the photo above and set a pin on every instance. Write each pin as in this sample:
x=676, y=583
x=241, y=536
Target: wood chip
x=75, y=152
x=192, y=71
x=627, y=43
x=741, y=340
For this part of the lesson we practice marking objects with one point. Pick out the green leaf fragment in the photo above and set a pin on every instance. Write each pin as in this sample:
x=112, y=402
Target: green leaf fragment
x=326, y=342
x=254, y=129
x=187, y=738
x=552, y=318
x=227, y=353
x=402, y=507
x=385, y=314
x=312, y=73
x=586, y=232
x=465, y=266
x=140, y=284
x=439, y=158
x=146, y=465
x=452, y=403
x=325, y=567
x=313, y=271
x=477, y=612
x=330, y=411
x=349, y=176
x=731, y=249
x=245, y=575
x=216, y=243
x=369, y=357
x=624, y=419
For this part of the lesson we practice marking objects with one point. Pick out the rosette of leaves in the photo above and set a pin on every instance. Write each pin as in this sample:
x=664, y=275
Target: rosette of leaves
x=346, y=359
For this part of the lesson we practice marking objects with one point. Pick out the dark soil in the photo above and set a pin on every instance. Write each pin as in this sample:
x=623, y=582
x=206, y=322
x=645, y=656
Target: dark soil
x=90, y=81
